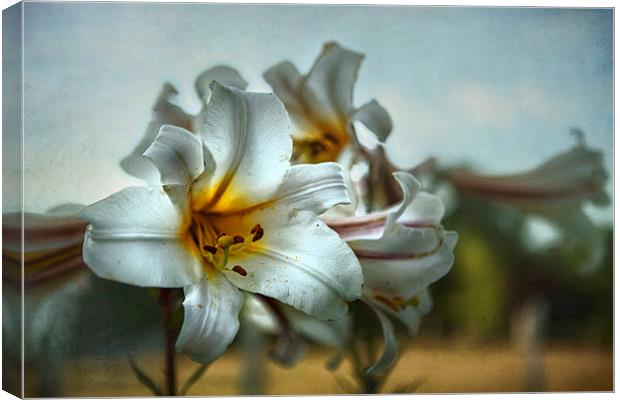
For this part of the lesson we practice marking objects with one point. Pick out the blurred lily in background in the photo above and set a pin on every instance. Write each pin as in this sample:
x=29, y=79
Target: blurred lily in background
x=53, y=276
x=557, y=190
x=320, y=104
x=166, y=112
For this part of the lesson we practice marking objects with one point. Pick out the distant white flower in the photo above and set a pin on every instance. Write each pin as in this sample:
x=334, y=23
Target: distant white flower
x=402, y=251
x=232, y=213
x=321, y=104
x=556, y=190
x=54, y=278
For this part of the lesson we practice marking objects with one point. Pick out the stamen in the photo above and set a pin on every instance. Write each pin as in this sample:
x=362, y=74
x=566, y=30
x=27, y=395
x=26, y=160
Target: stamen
x=258, y=234
x=240, y=270
x=316, y=148
x=255, y=228
x=390, y=303
x=238, y=239
x=210, y=249
x=330, y=137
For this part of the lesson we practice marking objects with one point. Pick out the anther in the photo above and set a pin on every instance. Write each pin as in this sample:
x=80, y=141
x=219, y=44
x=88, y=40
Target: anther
x=316, y=148
x=240, y=270
x=210, y=249
x=255, y=228
x=258, y=234
x=238, y=239
x=330, y=137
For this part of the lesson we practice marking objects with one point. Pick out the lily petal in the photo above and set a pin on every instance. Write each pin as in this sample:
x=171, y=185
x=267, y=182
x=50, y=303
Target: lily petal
x=300, y=262
x=412, y=314
x=286, y=82
x=568, y=178
x=248, y=135
x=134, y=238
x=312, y=187
x=406, y=255
x=425, y=210
x=390, y=345
x=328, y=97
x=331, y=333
x=211, y=318
x=375, y=118
x=164, y=112
x=223, y=74
x=405, y=260
x=177, y=154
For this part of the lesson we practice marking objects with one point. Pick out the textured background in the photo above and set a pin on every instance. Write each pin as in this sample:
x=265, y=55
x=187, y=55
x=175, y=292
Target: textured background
x=497, y=87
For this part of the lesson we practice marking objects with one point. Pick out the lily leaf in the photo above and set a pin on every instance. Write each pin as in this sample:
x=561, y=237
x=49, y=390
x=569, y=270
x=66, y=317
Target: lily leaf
x=144, y=379
x=197, y=374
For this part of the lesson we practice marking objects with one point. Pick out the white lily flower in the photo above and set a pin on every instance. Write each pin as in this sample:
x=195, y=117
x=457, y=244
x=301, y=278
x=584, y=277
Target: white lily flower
x=232, y=214
x=321, y=104
x=556, y=191
x=402, y=251
x=47, y=261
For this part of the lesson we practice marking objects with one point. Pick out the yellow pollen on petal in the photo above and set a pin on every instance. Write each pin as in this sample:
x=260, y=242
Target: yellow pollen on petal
x=397, y=303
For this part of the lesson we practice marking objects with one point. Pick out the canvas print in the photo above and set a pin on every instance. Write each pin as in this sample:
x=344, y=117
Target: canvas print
x=243, y=199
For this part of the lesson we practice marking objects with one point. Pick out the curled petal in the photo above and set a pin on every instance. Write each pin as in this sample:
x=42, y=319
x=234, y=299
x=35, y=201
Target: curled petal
x=285, y=80
x=177, y=154
x=402, y=250
x=165, y=111
x=372, y=226
x=211, y=318
x=135, y=238
x=328, y=88
x=223, y=74
x=331, y=333
x=248, y=135
x=425, y=210
x=570, y=177
x=375, y=118
x=410, y=313
x=390, y=345
x=411, y=260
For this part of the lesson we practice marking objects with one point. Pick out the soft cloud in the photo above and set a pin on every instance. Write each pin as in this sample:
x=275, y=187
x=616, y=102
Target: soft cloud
x=483, y=103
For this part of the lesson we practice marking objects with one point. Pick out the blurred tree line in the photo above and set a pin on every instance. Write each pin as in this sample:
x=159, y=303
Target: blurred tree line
x=495, y=273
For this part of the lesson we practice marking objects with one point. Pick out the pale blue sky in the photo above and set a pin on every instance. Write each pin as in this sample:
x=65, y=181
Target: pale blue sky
x=497, y=87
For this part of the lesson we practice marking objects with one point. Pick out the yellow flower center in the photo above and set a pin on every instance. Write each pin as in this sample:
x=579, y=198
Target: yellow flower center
x=215, y=245
x=323, y=146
